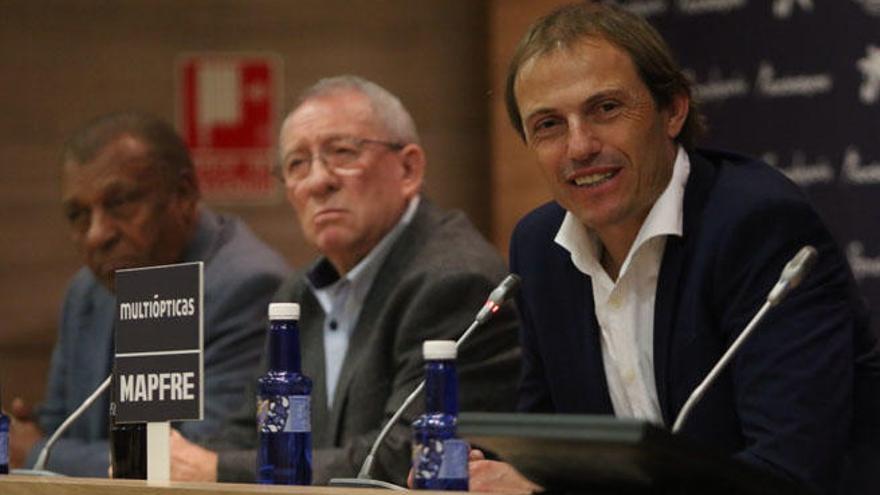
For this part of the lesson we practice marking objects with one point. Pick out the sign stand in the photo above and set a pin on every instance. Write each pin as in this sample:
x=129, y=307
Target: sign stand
x=158, y=451
x=159, y=364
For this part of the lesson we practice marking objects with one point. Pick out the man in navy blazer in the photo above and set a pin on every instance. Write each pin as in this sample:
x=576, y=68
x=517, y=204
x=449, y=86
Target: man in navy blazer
x=655, y=256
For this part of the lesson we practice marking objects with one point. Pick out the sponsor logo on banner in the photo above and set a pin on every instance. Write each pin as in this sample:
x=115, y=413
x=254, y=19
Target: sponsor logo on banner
x=227, y=111
x=862, y=266
x=773, y=86
x=645, y=8
x=695, y=7
x=801, y=171
x=785, y=8
x=869, y=91
x=718, y=88
x=857, y=172
x=870, y=6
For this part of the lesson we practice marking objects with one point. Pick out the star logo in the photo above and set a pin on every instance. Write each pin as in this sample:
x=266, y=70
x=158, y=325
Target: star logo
x=785, y=8
x=869, y=91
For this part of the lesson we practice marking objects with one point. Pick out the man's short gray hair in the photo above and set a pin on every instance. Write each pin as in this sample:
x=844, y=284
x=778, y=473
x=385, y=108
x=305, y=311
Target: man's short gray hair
x=387, y=108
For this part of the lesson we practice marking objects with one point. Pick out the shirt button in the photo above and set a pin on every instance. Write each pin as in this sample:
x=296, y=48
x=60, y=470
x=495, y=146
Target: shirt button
x=629, y=377
x=614, y=301
x=333, y=325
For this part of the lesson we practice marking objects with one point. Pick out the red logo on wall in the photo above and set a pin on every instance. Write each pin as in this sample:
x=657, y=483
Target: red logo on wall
x=227, y=110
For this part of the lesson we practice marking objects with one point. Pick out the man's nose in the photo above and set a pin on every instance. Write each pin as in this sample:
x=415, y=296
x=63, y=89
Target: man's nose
x=321, y=179
x=582, y=141
x=101, y=230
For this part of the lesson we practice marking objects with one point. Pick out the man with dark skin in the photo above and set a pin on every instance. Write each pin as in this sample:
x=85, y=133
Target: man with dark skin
x=131, y=199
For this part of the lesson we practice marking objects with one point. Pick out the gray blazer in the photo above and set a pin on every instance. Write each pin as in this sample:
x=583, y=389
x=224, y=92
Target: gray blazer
x=436, y=277
x=241, y=274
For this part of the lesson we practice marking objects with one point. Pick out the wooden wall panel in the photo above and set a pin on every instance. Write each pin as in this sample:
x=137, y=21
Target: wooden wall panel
x=516, y=182
x=64, y=62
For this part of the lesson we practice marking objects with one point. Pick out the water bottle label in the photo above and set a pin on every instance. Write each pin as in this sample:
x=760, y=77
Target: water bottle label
x=455, y=459
x=284, y=414
x=4, y=448
x=441, y=459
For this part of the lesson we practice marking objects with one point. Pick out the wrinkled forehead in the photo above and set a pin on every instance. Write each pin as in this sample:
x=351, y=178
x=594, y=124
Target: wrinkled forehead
x=124, y=160
x=322, y=117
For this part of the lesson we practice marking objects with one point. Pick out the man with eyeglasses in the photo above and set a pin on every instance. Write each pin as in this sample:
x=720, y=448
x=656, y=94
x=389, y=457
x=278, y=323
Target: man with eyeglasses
x=131, y=198
x=395, y=270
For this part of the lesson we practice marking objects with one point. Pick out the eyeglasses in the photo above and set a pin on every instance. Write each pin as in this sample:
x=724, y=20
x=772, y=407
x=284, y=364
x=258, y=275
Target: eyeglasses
x=339, y=154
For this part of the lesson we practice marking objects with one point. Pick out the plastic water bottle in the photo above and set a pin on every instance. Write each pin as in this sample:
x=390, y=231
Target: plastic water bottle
x=440, y=460
x=284, y=405
x=4, y=441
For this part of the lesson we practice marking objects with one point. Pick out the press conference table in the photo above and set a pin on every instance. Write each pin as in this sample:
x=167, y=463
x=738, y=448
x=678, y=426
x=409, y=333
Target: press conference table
x=30, y=485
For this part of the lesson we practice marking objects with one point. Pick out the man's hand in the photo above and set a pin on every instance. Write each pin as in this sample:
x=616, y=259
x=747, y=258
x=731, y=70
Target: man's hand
x=492, y=476
x=190, y=462
x=496, y=476
x=23, y=433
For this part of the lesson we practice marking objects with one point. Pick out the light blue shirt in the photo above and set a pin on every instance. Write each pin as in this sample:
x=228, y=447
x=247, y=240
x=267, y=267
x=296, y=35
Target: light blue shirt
x=342, y=298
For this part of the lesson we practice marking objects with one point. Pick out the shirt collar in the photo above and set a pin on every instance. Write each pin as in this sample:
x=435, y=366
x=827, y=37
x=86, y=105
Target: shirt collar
x=664, y=218
x=323, y=275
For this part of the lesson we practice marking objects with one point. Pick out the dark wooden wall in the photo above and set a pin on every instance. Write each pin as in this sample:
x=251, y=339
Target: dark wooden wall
x=64, y=62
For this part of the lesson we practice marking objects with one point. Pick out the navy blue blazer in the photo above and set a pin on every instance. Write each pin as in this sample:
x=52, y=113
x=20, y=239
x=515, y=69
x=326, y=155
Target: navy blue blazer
x=786, y=401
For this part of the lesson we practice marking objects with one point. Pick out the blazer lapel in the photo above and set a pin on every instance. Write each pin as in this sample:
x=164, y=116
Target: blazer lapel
x=597, y=396
x=311, y=336
x=665, y=309
x=669, y=281
x=102, y=318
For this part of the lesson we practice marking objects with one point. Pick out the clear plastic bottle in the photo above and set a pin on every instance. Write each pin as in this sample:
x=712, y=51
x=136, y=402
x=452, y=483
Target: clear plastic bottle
x=440, y=460
x=4, y=441
x=284, y=405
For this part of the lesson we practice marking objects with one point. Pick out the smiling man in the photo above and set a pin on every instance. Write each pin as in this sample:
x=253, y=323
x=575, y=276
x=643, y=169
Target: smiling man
x=395, y=271
x=131, y=198
x=654, y=256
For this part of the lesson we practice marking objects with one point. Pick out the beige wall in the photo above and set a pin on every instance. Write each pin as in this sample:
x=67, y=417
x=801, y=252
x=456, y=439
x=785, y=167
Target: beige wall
x=517, y=184
x=63, y=62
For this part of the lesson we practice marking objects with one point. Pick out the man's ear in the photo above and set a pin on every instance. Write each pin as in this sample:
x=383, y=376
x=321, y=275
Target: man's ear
x=187, y=189
x=677, y=112
x=413, y=165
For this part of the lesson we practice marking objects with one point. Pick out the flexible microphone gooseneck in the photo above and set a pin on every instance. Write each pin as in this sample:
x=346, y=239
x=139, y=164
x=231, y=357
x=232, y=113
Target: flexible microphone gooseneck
x=792, y=275
x=43, y=458
x=40, y=465
x=497, y=297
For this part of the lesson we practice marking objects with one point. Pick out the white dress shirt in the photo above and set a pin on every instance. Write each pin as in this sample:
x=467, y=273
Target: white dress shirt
x=342, y=298
x=625, y=307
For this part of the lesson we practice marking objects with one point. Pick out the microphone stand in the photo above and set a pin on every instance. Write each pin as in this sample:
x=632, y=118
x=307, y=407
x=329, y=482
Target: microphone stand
x=40, y=465
x=500, y=294
x=795, y=271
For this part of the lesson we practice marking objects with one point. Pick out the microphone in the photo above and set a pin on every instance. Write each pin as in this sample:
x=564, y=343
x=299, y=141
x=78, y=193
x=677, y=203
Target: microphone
x=40, y=465
x=497, y=297
x=792, y=275
x=505, y=289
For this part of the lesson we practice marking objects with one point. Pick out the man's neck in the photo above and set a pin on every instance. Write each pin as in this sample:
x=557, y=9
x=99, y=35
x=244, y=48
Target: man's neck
x=348, y=261
x=615, y=245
